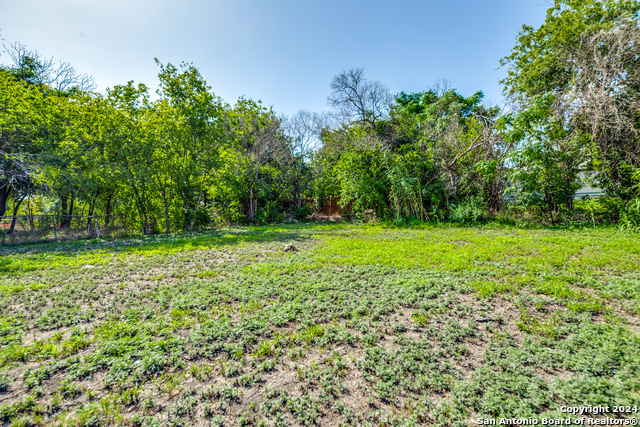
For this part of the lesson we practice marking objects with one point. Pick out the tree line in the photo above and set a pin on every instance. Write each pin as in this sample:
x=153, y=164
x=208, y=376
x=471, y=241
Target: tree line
x=188, y=159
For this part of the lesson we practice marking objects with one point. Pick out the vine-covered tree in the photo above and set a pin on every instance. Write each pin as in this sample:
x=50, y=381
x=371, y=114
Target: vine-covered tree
x=585, y=56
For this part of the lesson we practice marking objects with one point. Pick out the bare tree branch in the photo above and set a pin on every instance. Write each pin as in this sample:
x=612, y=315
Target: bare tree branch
x=34, y=68
x=604, y=97
x=358, y=98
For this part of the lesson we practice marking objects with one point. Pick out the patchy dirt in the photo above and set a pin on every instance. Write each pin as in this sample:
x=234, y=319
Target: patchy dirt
x=236, y=334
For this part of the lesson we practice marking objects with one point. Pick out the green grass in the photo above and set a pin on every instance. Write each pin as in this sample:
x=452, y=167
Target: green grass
x=362, y=325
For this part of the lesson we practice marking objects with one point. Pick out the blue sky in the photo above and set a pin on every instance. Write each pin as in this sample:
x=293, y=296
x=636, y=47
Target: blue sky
x=284, y=52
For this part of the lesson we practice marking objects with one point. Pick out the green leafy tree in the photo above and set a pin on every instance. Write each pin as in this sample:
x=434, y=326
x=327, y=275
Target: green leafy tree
x=461, y=154
x=547, y=159
x=362, y=181
x=129, y=148
x=23, y=118
x=585, y=56
x=194, y=138
x=538, y=63
x=262, y=156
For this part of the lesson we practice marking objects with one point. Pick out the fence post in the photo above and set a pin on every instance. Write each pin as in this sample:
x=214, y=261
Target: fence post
x=55, y=234
x=97, y=228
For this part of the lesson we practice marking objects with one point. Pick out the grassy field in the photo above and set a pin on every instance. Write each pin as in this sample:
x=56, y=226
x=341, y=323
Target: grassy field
x=361, y=325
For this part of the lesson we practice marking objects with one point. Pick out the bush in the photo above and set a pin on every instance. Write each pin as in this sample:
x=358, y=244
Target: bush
x=270, y=212
x=630, y=219
x=611, y=208
x=203, y=219
x=468, y=212
x=225, y=212
x=600, y=210
x=301, y=213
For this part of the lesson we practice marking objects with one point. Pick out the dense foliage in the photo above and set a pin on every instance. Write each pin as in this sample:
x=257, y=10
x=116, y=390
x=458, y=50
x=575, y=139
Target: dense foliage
x=188, y=159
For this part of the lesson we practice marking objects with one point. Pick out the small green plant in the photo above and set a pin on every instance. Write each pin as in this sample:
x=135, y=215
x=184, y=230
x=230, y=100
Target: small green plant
x=489, y=288
x=267, y=366
x=469, y=211
x=630, y=219
x=183, y=407
x=148, y=404
x=533, y=325
x=224, y=393
x=5, y=381
x=420, y=319
x=55, y=401
x=247, y=380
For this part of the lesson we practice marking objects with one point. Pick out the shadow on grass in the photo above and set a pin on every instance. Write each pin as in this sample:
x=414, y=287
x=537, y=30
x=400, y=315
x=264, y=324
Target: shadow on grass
x=30, y=256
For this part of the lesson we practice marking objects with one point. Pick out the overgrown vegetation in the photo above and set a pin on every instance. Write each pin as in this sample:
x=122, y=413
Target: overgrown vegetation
x=189, y=160
x=361, y=325
x=430, y=315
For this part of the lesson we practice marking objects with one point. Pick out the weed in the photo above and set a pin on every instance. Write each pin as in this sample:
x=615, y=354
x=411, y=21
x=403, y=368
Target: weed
x=5, y=381
x=533, y=325
x=183, y=407
x=187, y=329
x=420, y=319
x=225, y=393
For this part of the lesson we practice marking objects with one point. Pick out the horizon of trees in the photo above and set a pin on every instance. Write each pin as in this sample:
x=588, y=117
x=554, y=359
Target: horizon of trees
x=189, y=159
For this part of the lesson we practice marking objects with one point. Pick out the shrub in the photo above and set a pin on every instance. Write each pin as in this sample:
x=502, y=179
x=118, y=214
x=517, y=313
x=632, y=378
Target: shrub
x=301, y=213
x=630, y=219
x=611, y=208
x=468, y=212
x=600, y=210
x=269, y=212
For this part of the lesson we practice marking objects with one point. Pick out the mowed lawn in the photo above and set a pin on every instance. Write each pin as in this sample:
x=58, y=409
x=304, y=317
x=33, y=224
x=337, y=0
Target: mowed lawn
x=360, y=325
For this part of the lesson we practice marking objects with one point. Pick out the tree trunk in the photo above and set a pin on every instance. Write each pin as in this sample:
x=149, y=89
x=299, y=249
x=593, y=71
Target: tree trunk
x=253, y=206
x=146, y=230
x=569, y=201
x=166, y=210
x=186, y=208
x=569, y=204
x=16, y=207
x=30, y=216
x=493, y=204
x=4, y=195
x=297, y=196
x=66, y=215
x=63, y=211
x=108, y=210
x=92, y=208
x=195, y=213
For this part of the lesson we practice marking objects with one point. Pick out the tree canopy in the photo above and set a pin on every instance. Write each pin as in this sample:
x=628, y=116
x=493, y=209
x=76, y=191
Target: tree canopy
x=187, y=159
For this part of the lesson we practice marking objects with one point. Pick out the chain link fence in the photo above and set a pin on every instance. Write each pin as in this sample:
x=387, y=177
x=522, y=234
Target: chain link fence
x=30, y=228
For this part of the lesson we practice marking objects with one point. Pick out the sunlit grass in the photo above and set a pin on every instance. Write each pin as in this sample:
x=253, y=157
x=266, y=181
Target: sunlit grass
x=479, y=249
